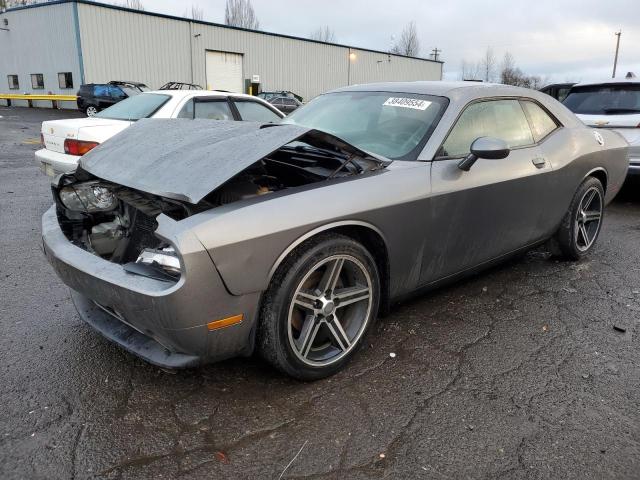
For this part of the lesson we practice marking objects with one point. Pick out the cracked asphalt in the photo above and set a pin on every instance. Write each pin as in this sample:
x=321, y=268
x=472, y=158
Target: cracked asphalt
x=515, y=373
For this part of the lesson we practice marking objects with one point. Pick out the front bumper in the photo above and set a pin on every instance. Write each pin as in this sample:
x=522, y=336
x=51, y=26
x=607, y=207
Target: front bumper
x=54, y=163
x=165, y=323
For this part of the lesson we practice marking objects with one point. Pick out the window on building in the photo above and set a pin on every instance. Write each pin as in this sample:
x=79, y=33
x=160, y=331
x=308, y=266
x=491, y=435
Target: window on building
x=13, y=82
x=65, y=80
x=37, y=81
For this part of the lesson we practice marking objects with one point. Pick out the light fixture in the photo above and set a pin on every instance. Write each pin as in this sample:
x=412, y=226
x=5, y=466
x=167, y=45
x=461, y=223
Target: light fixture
x=352, y=56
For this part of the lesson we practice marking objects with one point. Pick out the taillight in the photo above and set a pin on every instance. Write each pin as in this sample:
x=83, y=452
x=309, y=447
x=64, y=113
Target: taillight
x=78, y=147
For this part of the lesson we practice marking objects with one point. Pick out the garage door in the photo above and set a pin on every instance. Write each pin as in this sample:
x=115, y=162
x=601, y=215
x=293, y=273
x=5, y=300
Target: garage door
x=224, y=71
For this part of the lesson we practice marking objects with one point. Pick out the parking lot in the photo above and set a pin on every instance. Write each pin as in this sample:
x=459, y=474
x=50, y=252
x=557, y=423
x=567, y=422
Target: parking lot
x=515, y=373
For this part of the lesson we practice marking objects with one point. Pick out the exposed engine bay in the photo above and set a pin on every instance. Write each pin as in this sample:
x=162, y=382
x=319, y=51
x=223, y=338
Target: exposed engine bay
x=118, y=223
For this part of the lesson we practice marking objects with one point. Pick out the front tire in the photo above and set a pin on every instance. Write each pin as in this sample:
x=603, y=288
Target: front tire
x=91, y=110
x=582, y=223
x=321, y=304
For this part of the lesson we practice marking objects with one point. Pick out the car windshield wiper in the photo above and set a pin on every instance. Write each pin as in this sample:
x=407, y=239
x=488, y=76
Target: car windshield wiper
x=311, y=149
x=621, y=110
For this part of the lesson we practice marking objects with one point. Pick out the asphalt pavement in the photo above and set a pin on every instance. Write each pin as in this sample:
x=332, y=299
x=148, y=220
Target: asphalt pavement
x=516, y=373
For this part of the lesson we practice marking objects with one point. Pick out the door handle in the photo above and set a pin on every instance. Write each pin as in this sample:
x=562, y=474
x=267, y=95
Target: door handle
x=539, y=162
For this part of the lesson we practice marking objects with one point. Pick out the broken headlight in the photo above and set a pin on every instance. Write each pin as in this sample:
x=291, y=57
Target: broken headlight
x=164, y=258
x=88, y=197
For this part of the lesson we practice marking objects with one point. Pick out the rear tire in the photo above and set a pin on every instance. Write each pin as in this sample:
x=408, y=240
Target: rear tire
x=91, y=110
x=319, y=308
x=582, y=223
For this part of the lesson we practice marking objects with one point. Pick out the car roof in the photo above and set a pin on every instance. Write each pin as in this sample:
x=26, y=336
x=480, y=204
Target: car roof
x=453, y=90
x=611, y=81
x=200, y=93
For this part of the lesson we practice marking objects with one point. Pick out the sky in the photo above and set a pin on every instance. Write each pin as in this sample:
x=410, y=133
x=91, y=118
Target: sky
x=559, y=40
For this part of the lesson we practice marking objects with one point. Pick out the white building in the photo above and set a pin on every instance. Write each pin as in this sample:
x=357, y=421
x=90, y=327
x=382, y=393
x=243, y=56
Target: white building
x=57, y=46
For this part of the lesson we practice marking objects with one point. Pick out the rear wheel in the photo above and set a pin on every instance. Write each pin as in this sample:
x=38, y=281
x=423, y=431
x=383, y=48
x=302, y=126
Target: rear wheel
x=91, y=110
x=322, y=302
x=581, y=224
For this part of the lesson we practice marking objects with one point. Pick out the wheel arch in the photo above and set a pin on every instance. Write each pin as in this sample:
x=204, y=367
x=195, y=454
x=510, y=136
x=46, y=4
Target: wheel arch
x=601, y=174
x=370, y=236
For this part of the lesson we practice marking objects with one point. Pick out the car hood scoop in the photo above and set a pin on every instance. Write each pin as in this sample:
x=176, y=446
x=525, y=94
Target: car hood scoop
x=188, y=159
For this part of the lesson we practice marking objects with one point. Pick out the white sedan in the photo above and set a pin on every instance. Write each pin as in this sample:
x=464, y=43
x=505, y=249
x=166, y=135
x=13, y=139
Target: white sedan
x=65, y=141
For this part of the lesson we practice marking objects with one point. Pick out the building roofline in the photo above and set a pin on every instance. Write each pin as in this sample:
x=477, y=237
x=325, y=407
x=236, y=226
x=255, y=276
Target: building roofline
x=211, y=24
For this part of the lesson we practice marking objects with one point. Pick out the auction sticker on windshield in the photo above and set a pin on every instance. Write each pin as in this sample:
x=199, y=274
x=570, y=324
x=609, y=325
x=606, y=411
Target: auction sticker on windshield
x=414, y=103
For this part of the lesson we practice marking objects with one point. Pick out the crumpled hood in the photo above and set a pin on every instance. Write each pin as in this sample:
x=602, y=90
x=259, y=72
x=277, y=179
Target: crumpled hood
x=188, y=159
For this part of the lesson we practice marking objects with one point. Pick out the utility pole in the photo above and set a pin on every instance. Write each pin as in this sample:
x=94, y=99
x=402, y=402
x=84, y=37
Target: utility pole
x=615, y=59
x=435, y=53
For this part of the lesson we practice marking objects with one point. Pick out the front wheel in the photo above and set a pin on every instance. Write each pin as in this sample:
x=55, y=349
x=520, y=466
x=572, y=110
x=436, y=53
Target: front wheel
x=91, y=111
x=322, y=302
x=581, y=224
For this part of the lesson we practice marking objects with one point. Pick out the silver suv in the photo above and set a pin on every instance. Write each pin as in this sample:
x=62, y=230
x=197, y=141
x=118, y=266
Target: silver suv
x=613, y=104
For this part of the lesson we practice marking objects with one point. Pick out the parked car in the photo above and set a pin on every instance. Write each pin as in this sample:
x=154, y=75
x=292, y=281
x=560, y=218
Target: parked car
x=285, y=104
x=94, y=97
x=559, y=91
x=65, y=141
x=180, y=86
x=282, y=93
x=613, y=104
x=191, y=242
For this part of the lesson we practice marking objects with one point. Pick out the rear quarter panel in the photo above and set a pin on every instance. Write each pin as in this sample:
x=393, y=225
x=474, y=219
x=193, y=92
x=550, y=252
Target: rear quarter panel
x=574, y=153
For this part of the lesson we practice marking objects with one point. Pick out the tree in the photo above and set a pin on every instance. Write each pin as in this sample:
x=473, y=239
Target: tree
x=470, y=71
x=488, y=65
x=323, y=34
x=196, y=13
x=408, y=43
x=4, y=4
x=512, y=75
x=133, y=4
x=239, y=13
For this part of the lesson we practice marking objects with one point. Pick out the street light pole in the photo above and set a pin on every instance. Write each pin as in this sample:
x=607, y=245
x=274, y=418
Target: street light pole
x=615, y=59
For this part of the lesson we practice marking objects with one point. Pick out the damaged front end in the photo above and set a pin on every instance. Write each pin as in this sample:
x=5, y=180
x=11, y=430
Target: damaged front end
x=117, y=224
x=113, y=213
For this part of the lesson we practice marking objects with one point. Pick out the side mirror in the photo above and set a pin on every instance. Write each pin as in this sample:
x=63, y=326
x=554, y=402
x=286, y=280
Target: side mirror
x=485, y=147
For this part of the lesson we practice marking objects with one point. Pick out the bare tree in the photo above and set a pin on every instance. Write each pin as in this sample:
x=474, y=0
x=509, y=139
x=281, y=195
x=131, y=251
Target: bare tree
x=408, y=43
x=4, y=4
x=196, y=13
x=488, y=64
x=239, y=13
x=470, y=71
x=510, y=74
x=133, y=4
x=323, y=34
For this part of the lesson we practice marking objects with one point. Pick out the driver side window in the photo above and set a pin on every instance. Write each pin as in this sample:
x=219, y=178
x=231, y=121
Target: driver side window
x=503, y=119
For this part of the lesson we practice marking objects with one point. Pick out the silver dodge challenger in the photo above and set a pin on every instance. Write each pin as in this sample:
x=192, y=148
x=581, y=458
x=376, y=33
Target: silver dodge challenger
x=188, y=242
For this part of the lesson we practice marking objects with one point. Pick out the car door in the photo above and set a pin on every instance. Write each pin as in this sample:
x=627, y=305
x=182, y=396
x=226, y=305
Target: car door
x=495, y=207
x=101, y=96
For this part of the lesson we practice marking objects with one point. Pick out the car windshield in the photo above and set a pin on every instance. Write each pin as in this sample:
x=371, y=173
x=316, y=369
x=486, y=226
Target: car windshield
x=134, y=108
x=604, y=99
x=394, y=125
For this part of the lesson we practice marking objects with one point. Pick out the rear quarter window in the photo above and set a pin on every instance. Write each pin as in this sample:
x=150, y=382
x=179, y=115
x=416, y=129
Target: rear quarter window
x=541, y=122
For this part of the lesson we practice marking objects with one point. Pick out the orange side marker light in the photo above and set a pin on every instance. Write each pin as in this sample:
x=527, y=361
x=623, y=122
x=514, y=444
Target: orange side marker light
x=225, y=322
